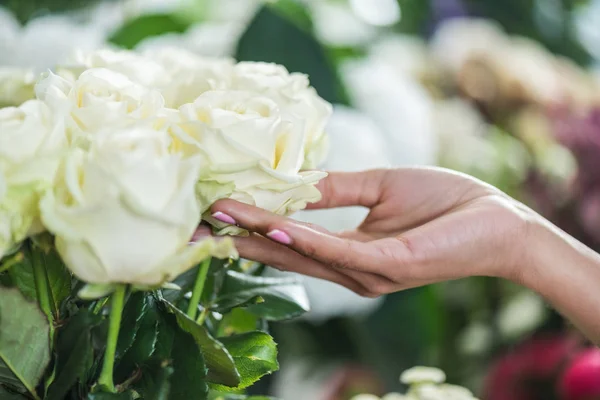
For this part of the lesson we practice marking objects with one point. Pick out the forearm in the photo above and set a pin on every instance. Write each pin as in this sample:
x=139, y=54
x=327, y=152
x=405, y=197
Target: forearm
x=567, y=274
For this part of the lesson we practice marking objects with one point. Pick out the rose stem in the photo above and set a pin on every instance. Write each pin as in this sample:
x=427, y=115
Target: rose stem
x=198, y=288
x=116, y=311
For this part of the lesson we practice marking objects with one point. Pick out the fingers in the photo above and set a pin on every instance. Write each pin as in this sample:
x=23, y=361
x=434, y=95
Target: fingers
x=260, y=249
x=318, y=245
x=345, y=189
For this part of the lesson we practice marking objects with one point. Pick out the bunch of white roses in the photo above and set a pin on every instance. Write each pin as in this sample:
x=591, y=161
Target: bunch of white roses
x=119, y=155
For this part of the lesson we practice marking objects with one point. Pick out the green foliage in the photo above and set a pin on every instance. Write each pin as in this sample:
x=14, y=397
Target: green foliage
x=133, y=32
x=270, y=298
x=24, y=342
x=255, y=355
x=74, y=354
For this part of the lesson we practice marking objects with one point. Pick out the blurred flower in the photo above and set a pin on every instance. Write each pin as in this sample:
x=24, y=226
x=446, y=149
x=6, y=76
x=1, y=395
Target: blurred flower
x=501, y=71
x=529, y=370
x=581, y=379
x=422, y=375
x=469, y=144
x=476, y=339
x=336, y=24
x=45, y=41
x=398, y=104
x=522, y=313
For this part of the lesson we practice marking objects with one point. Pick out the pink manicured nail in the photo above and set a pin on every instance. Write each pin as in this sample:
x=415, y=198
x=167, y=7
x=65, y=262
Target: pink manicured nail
x=280, y=236
x=224, y=218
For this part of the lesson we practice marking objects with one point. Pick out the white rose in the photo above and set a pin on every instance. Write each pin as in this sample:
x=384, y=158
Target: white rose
x=190, y=75
x=136, y=67
x=124, y=211
x=100, y=98
x=16, y=86
x=249, y=149
x=31, y=142
x=27, y=132
x=298, y=102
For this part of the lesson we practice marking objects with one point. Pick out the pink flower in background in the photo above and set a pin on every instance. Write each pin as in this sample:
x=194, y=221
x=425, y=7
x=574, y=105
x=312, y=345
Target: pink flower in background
x=581, y=380
x=529, y=371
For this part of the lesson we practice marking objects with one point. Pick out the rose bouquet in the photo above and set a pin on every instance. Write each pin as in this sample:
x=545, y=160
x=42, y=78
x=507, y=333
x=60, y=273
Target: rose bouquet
x=107, y=168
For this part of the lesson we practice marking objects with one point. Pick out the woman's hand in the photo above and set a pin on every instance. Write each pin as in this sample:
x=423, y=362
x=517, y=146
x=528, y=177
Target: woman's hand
x=425, y=225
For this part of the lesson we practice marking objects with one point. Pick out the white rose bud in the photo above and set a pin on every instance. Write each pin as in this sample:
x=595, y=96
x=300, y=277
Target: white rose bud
x=31, y=141
x=16, y=86
x=190, y=75
x=297, y=100
x=100, y=98
x=124, y=211
x=248, y=149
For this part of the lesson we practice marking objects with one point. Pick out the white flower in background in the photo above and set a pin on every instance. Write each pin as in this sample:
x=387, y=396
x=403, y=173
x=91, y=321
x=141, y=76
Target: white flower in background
x=406, y=54
x=336, y=24
x=398, y=104
x=16, y=86
x=99, y=97
x=522, y=313
x=358, y=145
x=422, y=375
x=31, y=141
x=250, y=149
x=476, y=339
x=124, y=211
x=471, y=145
x=189, y=75
x=44, y=41
x=298, y=102
x=460, y=39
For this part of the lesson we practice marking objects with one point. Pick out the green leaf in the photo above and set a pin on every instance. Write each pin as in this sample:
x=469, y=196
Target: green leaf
x=57, y=275
x=272, y=37
x=255, y=355
x=221, y=367
x=59, y=279
x=144, y=344
x=237, y=321
x=111, y=396
x=135, y=309
x=271, y=298
x=133, y=32
x=6, y=395
x=24, y=341
x=189, y=370
x=74, y=353
x=155, y=382
x=22, y=277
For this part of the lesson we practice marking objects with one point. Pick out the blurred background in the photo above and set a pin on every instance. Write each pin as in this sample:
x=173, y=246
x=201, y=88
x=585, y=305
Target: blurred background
x=505, y=90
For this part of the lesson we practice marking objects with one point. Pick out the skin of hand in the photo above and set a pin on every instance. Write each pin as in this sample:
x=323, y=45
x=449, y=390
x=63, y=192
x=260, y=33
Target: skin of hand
x=425, y=225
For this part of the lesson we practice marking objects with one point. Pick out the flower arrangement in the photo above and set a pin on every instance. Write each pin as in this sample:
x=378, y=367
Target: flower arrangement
x=107, y=168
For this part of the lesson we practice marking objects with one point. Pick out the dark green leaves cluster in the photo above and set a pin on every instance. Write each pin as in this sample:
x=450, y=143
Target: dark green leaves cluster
x=161, y=354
